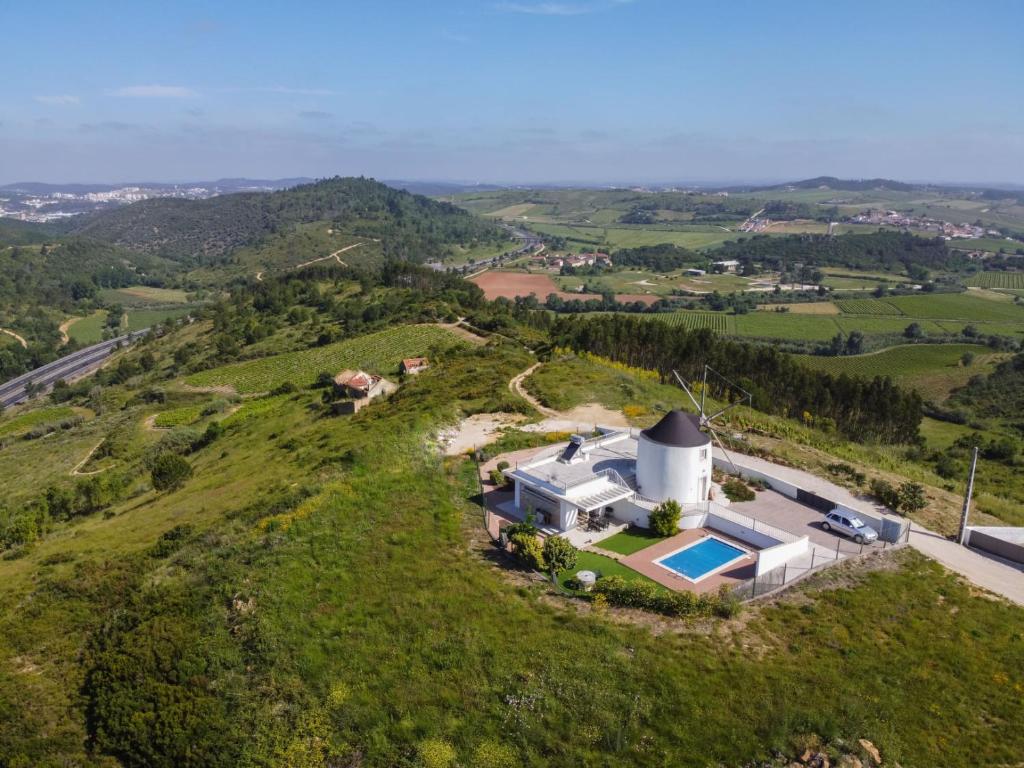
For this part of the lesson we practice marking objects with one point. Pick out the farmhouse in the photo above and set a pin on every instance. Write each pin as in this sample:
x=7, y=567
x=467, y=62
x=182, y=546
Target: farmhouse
x=358, y=385
x=728, y=265
x=411, y=365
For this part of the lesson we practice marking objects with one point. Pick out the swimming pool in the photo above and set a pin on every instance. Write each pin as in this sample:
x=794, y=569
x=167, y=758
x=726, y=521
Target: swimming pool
x=701, y=559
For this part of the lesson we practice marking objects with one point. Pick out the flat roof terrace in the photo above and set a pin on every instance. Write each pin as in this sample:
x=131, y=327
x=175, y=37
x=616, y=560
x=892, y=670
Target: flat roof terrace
x=615, y=452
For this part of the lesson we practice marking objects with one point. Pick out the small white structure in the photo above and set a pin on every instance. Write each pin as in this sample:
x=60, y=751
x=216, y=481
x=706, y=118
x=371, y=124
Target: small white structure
x=674, y=460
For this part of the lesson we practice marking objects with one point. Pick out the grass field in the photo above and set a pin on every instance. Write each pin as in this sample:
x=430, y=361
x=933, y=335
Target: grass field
x=695, y=237
x=143, y=295
x=89, y=329
x=376, y=353
x=932, y=369
x=805, y=308
x=20, y=423
x=1012, y=280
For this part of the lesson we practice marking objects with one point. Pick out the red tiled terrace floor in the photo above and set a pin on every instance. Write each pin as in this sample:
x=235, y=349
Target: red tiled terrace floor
x=643, y=562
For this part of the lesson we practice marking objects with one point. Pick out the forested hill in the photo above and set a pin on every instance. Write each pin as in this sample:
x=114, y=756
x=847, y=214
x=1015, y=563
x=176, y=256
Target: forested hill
x=864, y=410
x=846, y=185
x=877, y=250
x=206, y=231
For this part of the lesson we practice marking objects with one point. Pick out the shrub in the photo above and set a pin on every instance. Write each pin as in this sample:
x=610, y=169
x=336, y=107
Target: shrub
x=911, y=498
x=503, y=465
x=497, y=478
x=559, y=554
x=494, y=754
x=664, y=520
x=436, y=753
x=885, y=493
x=647, y=596
x=528, y=549
x=736, y=490
x=169, y=471
x=284, y=388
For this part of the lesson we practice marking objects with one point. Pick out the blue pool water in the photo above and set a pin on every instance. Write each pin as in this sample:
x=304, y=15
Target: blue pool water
x=698, y=560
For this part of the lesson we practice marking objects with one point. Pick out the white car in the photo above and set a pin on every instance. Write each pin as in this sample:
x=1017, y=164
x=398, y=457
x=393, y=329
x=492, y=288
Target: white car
x=849, y=525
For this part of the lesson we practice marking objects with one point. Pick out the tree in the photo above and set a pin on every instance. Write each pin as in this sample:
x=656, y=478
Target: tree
x=966, y=359
x=664, y=520
x=559, y=555
x=913, y=331
x=169, y=471
x=911, y=498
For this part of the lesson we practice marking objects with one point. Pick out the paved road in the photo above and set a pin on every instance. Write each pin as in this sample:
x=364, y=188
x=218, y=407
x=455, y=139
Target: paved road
x=995, y=575
x=75, y=365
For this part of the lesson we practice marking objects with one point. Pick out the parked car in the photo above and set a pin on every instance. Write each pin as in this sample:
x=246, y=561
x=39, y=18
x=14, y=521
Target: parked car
x=849, y=525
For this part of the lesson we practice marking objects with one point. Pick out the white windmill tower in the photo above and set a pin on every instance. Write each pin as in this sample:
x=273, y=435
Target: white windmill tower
x=733, y=394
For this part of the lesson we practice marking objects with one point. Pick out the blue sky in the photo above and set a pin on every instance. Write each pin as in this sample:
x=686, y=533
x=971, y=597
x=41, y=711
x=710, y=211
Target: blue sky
x=518, y=91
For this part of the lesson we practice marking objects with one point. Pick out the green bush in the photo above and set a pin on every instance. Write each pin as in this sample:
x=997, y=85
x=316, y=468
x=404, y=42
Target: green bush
x=497, y=478
x=528, y=549
x=736, y=490
x=169, y=471
x=664, y=520
x=885, y=493
x=559, y=555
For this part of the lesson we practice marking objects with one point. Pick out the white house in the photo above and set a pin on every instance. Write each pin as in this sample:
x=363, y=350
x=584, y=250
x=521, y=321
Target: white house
x=618, y=474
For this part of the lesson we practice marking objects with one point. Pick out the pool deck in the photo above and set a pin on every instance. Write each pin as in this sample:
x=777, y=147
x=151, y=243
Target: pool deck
x=643, y=562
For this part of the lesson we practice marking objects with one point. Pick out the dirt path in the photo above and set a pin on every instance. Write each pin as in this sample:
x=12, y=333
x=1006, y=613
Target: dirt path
x=516, y=386
x=19, y=337
x=64, y=327
x=77, y=471
x=334, y=256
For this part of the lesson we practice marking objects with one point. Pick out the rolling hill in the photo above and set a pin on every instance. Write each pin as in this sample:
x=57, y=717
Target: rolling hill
x=207, y=231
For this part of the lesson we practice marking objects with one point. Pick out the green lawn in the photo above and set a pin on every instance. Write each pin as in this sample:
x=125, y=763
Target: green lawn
x=601, y=565
x=629, y=541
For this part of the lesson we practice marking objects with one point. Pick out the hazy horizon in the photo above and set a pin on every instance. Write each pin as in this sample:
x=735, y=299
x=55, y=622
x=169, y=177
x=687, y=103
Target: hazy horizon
x=582, y=92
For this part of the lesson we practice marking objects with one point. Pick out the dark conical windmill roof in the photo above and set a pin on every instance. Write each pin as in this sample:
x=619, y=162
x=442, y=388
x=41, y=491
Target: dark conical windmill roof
x=679, y=430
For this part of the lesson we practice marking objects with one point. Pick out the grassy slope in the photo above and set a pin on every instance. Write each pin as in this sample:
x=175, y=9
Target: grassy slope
x=376, y=353
x=372, y=627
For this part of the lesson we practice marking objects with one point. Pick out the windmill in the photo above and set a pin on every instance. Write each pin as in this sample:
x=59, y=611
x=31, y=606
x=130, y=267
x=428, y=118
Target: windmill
x=730, y=389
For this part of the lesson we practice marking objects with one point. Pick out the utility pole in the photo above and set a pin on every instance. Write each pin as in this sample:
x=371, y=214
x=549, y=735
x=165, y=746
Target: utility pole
x=967, y=497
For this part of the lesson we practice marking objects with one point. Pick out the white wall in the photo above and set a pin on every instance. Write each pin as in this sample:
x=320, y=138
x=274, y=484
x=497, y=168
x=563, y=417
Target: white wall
x=741, y=532
x=780, y=554
x=786, y=489
x=629, y=512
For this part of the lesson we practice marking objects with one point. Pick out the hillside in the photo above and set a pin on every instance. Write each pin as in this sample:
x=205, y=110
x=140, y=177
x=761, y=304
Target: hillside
x=316, y=589
x=207, y=231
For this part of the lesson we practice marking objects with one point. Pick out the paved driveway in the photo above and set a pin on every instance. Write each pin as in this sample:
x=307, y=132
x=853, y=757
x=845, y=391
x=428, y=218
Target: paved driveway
x=790, y=515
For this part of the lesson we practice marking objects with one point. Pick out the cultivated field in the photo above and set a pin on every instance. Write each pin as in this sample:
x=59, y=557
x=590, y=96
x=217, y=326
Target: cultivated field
x=932, y=369
x=716, y=321
x=376, y=353
x=867, y=307
x=806, y=308
x=1011, y=280
x=959, y=306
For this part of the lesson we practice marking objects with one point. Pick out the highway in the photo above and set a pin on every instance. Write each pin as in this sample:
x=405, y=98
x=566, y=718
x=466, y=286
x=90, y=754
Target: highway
x=72, y=366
